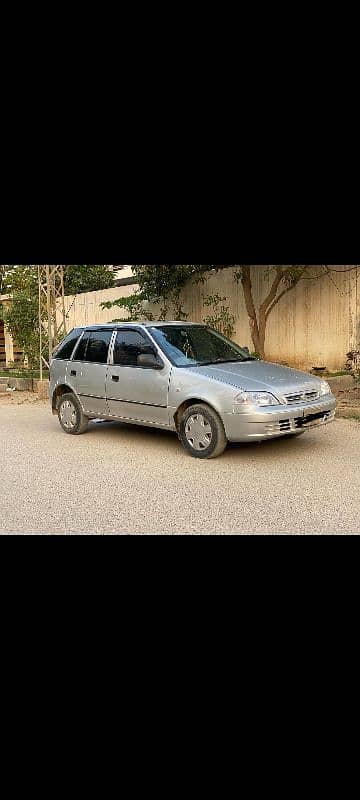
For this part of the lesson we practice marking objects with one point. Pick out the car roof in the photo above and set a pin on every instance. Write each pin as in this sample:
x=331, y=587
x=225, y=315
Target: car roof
x=116, y=325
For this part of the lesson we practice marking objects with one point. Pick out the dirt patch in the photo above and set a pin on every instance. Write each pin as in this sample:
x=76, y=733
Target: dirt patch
x=349, y=395
x=20, y=399
x=349, y=403
x=349, y=412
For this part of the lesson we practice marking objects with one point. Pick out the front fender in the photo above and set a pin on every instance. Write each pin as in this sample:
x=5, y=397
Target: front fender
x=185, y=386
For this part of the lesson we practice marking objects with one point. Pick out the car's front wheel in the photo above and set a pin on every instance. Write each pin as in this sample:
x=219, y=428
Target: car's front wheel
x=71, y=416
x=202, y=433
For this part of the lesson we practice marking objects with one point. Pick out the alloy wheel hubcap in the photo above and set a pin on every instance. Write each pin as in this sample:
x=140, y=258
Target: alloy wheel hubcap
x=198, y=432
x=68, y=415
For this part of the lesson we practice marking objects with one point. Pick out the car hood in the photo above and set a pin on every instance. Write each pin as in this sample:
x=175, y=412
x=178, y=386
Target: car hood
x=260, y=376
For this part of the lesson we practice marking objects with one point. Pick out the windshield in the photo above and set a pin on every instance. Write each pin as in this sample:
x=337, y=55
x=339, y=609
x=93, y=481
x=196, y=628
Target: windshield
x=197, y=345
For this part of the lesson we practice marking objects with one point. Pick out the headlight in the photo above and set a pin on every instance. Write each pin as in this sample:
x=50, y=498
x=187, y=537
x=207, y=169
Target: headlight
x=324, y=388
x=256, y=398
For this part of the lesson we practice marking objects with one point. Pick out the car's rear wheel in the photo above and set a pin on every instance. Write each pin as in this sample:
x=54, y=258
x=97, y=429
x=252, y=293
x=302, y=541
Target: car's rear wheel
x=71, y=416
x=201, y=432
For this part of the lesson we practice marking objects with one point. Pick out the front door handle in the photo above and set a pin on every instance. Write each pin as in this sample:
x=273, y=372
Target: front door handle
x=73, y=372
x=115, y=378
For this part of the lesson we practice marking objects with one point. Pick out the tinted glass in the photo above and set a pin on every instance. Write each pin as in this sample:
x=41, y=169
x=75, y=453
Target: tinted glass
x=128, y=346
x=197, y=345
x=98, y=347
x=82, y=348
x=66, y=348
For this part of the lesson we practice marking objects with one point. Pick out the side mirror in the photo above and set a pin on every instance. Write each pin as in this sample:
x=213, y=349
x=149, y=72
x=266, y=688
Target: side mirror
x=149, y=360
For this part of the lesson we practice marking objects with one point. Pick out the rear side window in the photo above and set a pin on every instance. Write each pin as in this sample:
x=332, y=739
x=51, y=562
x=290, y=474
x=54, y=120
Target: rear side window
x=94, y=347
x=98, y=347
x=128, y=346
x=66, y=348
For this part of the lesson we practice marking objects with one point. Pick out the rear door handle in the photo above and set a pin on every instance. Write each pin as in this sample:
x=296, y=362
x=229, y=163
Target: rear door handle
x=115, y=378
x=73, y=372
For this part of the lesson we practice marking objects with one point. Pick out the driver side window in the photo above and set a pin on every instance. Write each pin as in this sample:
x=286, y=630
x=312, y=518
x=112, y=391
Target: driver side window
x=128, y=346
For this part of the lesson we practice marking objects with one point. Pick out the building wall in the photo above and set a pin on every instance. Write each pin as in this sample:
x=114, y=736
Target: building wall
x=122, y=271
x=316, y=324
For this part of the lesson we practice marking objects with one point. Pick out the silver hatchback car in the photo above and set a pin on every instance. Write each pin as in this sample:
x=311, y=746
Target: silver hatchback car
x=182, y=377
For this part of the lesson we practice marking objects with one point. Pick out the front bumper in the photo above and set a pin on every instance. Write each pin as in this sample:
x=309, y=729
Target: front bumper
x=275, y=421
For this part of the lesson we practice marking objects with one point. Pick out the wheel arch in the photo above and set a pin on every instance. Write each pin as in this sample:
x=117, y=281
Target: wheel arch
x=193, y=401
x=58, y=393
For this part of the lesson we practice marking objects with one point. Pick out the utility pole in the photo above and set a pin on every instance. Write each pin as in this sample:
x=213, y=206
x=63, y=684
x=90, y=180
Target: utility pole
x=52, y=315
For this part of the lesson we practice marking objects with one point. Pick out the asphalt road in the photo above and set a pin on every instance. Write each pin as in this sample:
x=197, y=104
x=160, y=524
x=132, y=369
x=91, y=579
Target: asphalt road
x=129, y=480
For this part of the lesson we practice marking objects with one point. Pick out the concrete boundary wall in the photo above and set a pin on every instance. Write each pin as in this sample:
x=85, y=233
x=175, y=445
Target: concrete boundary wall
x=317, y=324
x=84, y=309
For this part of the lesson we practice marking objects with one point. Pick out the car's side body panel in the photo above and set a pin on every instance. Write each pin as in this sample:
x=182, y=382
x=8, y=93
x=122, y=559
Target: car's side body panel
x=89, y=386
x=138, y=394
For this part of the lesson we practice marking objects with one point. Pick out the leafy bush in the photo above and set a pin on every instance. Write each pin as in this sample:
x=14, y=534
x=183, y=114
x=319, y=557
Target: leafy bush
x=133, y=307
x=87, y=278
x=22, y=316
x=221, y=319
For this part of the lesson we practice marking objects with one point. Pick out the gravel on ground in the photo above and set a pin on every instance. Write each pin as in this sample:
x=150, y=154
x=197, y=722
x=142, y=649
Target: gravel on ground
x=21, y=398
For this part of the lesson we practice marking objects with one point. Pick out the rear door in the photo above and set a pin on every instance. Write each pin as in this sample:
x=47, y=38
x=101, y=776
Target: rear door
x=134, y=392
x=87, y=371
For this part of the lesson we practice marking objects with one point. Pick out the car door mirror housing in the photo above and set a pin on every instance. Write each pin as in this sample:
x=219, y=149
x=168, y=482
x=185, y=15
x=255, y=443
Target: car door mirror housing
x=149, y=360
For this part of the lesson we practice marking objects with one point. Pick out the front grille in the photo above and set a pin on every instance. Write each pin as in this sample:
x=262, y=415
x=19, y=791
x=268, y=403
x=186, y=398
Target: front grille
x=301, y=397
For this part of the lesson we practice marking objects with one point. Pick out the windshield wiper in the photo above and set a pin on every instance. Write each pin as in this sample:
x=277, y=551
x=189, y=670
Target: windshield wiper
x=226, y=361
x=244, y=360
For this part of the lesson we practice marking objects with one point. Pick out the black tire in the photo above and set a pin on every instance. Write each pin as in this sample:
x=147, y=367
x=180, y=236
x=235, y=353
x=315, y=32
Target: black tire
x=213, y=432
x=77, y=422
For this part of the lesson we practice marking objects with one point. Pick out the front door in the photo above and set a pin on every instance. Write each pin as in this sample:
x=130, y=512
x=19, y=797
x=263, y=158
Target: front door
x=87, y=371
x=134, y=392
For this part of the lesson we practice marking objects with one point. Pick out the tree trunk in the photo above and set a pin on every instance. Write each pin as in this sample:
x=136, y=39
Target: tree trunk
x=262, y=333
x=257, y=326
x=250, y=306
